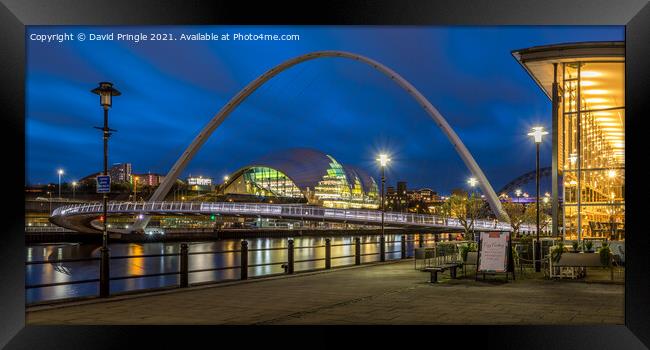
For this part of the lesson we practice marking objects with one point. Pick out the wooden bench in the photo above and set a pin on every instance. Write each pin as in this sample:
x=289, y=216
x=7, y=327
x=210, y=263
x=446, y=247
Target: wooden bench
x=441, y=268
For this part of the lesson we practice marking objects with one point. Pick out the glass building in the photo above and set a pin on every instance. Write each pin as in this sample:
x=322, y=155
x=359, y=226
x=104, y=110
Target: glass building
x=308, y=175
x=586, y=85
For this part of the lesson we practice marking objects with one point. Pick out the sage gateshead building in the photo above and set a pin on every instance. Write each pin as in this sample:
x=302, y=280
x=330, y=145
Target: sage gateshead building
x=303, y=176
x=586, y=85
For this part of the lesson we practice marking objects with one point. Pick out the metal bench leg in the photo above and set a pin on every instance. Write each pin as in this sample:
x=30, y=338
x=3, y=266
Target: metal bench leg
x=434, y=277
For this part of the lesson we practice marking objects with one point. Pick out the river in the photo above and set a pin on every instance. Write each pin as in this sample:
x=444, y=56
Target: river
x=74, y=271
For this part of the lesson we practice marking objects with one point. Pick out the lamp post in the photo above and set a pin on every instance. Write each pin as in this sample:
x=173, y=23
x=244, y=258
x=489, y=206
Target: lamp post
x=74, y=185
x=383, y=161
x=135, y=188
x=537, y=134
x=472, y=183
x=106, y=93
x=50, y=195
x=60, y=172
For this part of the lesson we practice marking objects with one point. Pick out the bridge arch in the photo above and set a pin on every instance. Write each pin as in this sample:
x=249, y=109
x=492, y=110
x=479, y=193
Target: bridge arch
x=212, y=125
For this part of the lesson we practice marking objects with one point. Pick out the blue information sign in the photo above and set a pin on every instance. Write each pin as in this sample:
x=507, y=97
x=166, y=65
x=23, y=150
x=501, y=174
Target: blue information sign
x=103, y=184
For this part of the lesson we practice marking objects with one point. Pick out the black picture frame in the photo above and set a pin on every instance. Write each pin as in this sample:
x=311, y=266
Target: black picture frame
x=16, y=14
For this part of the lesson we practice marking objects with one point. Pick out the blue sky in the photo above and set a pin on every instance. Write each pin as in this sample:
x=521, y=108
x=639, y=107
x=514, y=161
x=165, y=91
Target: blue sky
x=171, y=89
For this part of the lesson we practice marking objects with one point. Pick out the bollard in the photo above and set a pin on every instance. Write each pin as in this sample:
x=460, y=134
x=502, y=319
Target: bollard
x=328, y=254
x=244, y=260
x=421, y=240
x=184, y=268
x=104, y=274
x=382, y=248
x=403, y=247
x=290, y=257
x=357, y=251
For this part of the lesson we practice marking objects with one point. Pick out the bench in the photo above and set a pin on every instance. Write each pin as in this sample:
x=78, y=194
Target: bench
x=441, y=268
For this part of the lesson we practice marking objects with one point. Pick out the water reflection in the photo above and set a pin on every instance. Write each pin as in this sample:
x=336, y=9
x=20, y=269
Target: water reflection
x=75, y=271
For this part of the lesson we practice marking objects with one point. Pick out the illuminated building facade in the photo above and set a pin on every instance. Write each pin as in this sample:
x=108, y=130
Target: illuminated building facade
x=585, y=82
x=148, y=179
x=199, y=183
x=120, y=172
x=308, y=175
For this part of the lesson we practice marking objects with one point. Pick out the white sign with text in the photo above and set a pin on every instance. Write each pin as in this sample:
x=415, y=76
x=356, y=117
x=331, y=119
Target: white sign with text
x=493, y=256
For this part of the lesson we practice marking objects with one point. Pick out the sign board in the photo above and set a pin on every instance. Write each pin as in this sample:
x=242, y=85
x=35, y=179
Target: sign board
x=494, y=252
x=103, y=184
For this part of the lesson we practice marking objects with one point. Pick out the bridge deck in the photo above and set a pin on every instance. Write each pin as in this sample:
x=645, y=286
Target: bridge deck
x=78, y=216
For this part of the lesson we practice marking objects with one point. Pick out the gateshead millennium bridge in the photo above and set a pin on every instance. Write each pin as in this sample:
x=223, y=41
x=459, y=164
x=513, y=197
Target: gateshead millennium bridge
x=84, y=217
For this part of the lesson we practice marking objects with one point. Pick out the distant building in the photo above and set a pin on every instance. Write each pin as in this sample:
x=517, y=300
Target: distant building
x=200, y=183
x=148, y=179
x=425, y=195
x=120, y=172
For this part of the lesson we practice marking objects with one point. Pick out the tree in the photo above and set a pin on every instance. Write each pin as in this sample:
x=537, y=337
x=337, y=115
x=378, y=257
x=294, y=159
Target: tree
x=518, y=215
x=465, y=208
x=521, y=213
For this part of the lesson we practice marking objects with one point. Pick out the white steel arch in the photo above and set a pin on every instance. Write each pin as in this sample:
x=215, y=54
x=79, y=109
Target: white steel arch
x=205, y=133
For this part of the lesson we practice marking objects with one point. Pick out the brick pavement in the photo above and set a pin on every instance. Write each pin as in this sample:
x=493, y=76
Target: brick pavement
x=390, y=293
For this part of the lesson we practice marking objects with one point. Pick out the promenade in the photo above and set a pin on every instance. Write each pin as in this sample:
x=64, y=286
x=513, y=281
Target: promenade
x=387, y=293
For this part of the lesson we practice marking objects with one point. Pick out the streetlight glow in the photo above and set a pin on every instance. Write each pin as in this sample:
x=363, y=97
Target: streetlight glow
x=383, y=159
x=472, y=181
x=537, y=133
x=611, y=174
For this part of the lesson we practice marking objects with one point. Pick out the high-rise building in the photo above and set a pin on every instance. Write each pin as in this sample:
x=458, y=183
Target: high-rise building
x=120, y=172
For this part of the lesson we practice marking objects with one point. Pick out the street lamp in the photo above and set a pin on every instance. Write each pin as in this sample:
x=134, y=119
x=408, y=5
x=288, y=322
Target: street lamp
x=60, y=172
x=106, y=93
x=135, y=188
x=383, y=161
x=537, y=134
x=472, y=183
x=74, y=185
x=50, y=195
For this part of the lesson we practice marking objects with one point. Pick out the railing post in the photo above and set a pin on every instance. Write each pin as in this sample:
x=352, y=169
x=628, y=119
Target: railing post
x=184, y=268
x=104, y=274
x=357, y=251
x=290, y=257
x=403, y=246
x=382, y=248
x=244, y=260
x=328, y=254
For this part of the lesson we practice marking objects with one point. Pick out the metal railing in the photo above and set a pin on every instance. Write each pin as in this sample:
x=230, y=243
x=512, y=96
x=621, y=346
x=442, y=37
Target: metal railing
x=303, y=212
x=244, y=265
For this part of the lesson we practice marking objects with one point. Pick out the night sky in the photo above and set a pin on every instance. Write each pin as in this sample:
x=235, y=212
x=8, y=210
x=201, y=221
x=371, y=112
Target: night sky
x=170, y=90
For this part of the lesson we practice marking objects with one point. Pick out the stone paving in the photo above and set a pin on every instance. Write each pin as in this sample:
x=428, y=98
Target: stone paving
x=389, y=293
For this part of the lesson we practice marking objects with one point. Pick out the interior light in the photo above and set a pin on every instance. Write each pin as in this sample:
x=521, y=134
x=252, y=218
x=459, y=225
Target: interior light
x=590, y=74
x=596, y=92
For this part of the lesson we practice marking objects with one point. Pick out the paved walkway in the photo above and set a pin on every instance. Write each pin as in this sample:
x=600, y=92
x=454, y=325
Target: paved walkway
x=391, y=293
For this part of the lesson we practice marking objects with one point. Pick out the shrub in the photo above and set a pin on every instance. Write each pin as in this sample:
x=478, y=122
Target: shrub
x=588, y=245
x=575, y=246
x=605, y=254
x=556, y=252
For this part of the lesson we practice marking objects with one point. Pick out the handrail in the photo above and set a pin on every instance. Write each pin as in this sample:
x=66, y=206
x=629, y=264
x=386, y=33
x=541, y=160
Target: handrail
x=289, y=210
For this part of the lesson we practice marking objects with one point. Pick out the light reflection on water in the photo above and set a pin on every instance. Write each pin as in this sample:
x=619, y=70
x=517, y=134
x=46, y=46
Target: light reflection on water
x=63, y=272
